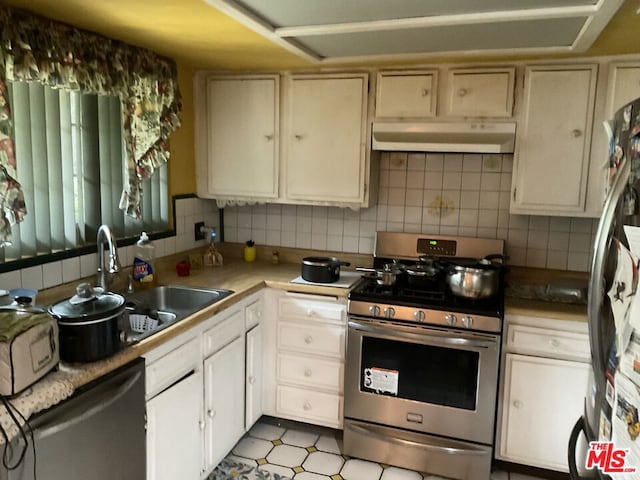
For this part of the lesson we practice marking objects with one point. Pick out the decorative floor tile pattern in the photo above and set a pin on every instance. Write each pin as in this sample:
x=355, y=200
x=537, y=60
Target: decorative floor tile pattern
x=284, y=450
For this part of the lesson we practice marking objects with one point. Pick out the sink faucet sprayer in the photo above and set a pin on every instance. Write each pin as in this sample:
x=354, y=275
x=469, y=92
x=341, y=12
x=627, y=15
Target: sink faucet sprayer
x=105, y=235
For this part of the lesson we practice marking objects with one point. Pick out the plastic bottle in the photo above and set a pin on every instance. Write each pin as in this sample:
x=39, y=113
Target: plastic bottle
x=144, y=269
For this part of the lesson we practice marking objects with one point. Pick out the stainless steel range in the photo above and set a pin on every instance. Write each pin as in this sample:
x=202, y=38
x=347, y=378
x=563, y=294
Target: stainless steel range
x=422, y=364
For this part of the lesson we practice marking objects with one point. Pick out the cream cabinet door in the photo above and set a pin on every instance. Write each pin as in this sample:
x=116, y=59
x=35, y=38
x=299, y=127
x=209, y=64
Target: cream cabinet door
x=406, y=95
x=624, y=86
x=253, y=387
x=242, y=136
x=473, y=92
x=224, y=384
x=542, y=400
x=326, y=155
x=174, y=436
x=551, y=162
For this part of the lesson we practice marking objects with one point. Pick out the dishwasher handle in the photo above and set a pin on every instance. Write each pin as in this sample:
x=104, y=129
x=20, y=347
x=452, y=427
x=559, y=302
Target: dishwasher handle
x=103, y=398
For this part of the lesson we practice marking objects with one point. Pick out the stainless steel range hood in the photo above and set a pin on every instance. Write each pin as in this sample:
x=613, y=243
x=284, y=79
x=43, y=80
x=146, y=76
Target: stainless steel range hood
x=479, y=137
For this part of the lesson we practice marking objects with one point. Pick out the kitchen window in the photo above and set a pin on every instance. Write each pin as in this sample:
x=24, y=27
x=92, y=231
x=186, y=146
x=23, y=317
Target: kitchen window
x=71, y=163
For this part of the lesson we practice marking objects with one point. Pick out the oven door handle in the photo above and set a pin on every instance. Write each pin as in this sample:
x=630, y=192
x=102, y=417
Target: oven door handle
x=446, y=447
x=432, y=336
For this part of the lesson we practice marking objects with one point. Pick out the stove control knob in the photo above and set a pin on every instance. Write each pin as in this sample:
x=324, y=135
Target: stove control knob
x=374, y=310
x=419, y=315
x=467, y=322
x=389, y=312
x=450, y=319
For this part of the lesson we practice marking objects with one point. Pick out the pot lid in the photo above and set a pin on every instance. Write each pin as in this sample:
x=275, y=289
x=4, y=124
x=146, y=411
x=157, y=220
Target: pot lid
x=104, y=305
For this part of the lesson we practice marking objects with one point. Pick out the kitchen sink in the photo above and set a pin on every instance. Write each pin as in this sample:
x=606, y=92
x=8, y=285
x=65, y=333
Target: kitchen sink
x=150, y=311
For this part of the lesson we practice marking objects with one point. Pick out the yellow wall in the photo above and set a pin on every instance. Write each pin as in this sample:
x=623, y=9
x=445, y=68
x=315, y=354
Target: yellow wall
x=182, y=165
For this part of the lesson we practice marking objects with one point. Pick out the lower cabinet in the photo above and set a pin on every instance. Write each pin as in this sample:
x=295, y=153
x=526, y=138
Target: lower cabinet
x=174, y=435
x=544, y=385
x=253, y=385
x=204, y=389
x=308, y=358
x=224, y=401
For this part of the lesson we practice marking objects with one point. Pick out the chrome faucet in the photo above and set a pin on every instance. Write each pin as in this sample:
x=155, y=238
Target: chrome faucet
x=104, y=235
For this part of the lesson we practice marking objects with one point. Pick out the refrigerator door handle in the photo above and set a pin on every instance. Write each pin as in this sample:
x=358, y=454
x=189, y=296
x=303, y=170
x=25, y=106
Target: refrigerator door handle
x=573, y=442
x=596, y=282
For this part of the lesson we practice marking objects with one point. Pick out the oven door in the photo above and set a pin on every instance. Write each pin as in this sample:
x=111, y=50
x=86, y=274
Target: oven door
x=431, y=380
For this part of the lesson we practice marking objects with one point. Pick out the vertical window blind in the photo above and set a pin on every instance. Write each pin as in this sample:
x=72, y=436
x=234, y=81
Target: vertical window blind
x=70, y=162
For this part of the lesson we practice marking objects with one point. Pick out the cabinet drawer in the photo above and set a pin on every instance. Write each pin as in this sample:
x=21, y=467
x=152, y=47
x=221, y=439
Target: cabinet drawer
x=224, y=332
x=308, y=309
x=525, y=339
x=480, y=93
x=298, y=403
x=312, y=339
x=171, y=367
x=310, y=372
x=253, y=314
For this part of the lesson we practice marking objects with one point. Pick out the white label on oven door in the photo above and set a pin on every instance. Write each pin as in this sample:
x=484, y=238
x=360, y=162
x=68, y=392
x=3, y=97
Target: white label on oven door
x=381, y=380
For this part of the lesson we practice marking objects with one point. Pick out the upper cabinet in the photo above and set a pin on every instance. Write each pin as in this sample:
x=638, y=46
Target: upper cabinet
x=552, y=157
x=242, y=136
x=624, y=85
x=479, y=92
x=412, y=95
x=407, y=95
x=326, y=134
x=302, y=140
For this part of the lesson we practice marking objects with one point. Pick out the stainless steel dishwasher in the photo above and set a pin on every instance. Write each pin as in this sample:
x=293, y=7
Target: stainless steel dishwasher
x=98, y=434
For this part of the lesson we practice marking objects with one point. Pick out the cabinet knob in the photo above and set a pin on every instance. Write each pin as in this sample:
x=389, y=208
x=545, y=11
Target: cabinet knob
x=554, y=343
x=576, y=132
x=269, y=137
x=308, y=339
x=201, y=424
x=518, y=404
x=311, y=312
x=306, y=407
x=211, y=413
x=258, y=314
x=252, y=380
x=462, y=92
x=298, y=137
x=425, y=92
x=307, y=372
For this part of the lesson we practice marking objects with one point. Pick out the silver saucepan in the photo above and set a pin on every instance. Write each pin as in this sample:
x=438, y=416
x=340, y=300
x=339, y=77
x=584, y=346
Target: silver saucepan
x=475, y=279
x=388, y=275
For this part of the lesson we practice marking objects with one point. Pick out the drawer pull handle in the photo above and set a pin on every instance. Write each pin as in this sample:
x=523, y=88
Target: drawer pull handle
x=306, y=407
x=425, y=92
x=269, y=137
x=576, y=133
x=211, y=413
x=554, y=343
x=307, y=372
x=252, y=380
x=462, y=92
x=308, y=339
x=518, y=404
x=201, y=424
x=259, y=314
x=311, y=312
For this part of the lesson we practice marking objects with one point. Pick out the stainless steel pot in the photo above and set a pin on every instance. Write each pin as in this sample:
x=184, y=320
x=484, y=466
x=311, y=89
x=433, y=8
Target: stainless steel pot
x=388, y=275
x=475, y=279
x=322, y=269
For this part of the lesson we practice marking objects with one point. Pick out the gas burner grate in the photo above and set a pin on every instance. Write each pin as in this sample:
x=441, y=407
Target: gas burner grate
x=430, y=295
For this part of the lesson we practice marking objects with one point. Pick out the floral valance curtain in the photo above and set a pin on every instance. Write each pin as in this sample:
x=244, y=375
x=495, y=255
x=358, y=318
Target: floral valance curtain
x=34, y=48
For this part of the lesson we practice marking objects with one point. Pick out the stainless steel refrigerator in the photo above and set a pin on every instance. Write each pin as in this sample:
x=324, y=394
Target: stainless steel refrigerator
x=611, y=296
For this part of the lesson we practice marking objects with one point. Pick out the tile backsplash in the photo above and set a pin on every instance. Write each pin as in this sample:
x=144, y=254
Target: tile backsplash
x=448, y=194
x=188, y=212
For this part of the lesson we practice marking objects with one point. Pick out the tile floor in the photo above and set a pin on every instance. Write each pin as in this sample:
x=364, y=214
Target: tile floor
x=304, y=452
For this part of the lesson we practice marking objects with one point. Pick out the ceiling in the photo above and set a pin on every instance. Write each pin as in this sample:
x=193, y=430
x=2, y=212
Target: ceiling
x=289, y=34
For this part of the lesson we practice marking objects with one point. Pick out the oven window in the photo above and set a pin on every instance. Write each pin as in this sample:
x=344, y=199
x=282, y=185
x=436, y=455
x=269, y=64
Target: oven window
x=424, y=373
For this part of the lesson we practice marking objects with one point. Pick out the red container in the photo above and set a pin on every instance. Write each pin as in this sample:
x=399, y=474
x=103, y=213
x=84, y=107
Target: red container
x=183, y=268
